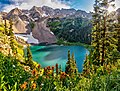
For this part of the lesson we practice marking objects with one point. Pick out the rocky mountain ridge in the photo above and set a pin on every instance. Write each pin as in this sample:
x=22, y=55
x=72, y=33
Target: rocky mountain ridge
x=35, y=20
x=118, y=11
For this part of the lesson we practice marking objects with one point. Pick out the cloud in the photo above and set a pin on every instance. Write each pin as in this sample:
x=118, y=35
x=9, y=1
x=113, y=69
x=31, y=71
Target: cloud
x=117, y=2
x=28, y=4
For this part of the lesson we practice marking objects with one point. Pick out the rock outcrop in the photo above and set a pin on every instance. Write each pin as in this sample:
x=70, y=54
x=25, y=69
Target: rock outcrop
x=1, y=18
x=118, y=11
x=43, y=34
x=20, y=25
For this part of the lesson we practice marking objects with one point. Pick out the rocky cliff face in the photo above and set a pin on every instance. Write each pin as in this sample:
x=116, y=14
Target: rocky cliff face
x=1, y=18
x=41, y=30
x=118, y=11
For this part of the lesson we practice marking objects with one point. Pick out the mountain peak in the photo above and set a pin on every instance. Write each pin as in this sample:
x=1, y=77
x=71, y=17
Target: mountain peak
x=13, y=12
x=16, y=11
x=118, y=10
x=34, y=8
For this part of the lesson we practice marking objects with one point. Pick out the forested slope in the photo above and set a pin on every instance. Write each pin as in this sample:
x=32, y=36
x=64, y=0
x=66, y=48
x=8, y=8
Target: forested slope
x=71, y=29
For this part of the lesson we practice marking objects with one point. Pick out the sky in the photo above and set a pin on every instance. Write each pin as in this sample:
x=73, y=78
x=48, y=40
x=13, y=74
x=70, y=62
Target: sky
x=86, y=5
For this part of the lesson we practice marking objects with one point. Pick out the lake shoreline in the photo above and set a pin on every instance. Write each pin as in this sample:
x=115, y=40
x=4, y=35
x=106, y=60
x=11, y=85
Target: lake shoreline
x=87, y=46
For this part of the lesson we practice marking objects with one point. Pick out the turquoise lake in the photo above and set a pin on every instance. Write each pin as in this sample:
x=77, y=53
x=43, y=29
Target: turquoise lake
x=50, y=55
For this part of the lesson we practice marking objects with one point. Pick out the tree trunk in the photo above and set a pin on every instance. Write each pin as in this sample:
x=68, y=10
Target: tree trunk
x=103, y=46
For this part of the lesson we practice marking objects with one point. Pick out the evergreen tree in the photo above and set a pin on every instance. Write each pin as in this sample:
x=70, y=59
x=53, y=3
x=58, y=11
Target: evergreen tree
x=12, y=38
x=71, y=67
x=75, y=70
x=96, y=34
x=32, y=25
x=104, y=42
x=29, y=54
x=89, y=67
x=118, y=32
x=29, y=60
x=108, y=40
x=68, y=64
x=60, y=69
x=5, y=27
x=10, y=29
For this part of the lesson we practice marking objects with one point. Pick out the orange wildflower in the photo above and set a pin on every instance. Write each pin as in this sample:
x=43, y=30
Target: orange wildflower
x=48, y=68
x=27, y=68
x=33, y=86
x=48, y=73
x=23, y=86
x=34, y=72
x=36, y=76
x=31, y=79
x=47, y=77
x=45, y=70
x=63, y=75
x=38, y=66
x=53, y=67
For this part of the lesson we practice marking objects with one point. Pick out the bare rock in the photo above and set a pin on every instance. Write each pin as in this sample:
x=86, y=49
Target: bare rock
x=13, y=12
x=20, y=25
x=43, y=34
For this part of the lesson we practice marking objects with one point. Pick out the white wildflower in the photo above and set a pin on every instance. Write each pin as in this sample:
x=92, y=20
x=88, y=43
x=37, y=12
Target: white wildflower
x=42, y=84
x=14, y=66
x=54, y=87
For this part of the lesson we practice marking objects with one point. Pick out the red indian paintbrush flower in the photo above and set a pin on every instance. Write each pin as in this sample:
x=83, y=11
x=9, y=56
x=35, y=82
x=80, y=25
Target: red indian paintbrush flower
x=23, y=86
x=34, y=72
